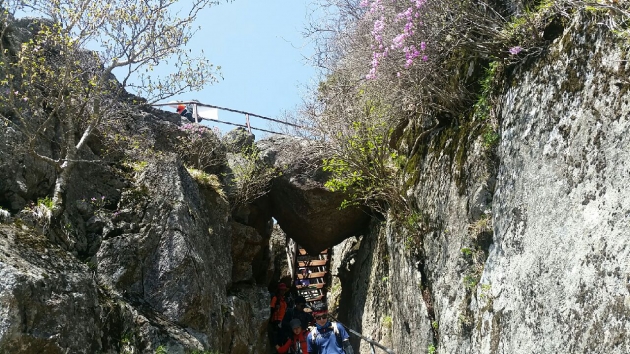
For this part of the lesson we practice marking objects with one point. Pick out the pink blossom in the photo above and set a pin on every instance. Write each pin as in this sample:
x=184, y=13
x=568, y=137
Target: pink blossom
x=379, y=25
x=399, y=40
x=371, y=75
x=515, y=50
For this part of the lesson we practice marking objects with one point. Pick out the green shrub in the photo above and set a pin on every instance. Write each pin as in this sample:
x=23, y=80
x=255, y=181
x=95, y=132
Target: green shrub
x=208, y=180
x=200, y=148
x=46, y=202
x=250, y=178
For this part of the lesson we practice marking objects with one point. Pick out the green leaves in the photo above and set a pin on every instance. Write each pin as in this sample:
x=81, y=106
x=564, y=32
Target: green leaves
x=363, y=169
x=59, y=81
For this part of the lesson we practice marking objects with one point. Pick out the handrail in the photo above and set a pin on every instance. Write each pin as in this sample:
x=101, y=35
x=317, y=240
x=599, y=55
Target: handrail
x=247, y=114
x=367, y=339
x=291, y=250
x=232, y=110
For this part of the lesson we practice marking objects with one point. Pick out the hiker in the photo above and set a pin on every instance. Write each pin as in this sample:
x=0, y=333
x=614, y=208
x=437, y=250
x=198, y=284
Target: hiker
x=278, y=309
x=184, y=112
x=278, y=305
x=296, y=344
x=298, y=313
x=328, y=337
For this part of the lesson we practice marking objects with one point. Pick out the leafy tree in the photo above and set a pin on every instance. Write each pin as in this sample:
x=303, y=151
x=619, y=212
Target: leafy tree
x=56, y=89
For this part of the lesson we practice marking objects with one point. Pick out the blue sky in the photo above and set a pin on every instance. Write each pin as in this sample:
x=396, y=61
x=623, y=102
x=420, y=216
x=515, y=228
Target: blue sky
x=259, y=46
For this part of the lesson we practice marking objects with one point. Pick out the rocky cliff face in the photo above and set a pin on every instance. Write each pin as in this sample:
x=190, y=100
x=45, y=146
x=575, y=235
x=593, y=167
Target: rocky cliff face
x=525, y=251
x=162, y=274
x=520, y=248
x=558, y=266
x=144, y=255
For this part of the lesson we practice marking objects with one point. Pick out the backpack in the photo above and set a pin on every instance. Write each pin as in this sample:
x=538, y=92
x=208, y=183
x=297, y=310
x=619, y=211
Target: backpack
x=335, y=329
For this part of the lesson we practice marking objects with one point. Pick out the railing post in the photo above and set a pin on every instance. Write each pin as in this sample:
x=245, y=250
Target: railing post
x=291, y=249
x=249, y=127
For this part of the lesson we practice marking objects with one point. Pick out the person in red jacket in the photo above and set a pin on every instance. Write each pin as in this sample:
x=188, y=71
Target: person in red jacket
x=279, y=305
x=297, y=343
x=184, y=112
x=278, y=308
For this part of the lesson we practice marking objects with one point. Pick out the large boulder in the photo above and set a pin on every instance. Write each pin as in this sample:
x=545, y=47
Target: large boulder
x=48, y=300
x=238, y=140
x=306, y=211
x=247, y=245
x=23, y=178
x=169, y=247
x=246, y=320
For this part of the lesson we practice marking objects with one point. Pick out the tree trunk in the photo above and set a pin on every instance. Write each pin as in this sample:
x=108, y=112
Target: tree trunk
x=59, y=198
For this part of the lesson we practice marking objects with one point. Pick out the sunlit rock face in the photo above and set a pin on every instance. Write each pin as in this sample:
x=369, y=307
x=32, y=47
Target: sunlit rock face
x=48, y=300
x=166, y=248
x=551, y=275
x=559, y=266
x=305, y=210
x=141, y=258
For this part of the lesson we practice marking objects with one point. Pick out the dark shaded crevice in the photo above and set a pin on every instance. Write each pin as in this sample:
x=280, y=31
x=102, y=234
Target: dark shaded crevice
x=355, y=286
x=427, y=297
x=554, y=29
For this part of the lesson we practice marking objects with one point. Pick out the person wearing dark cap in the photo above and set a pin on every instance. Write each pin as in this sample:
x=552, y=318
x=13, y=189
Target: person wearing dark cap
x=296, y=344
x=298, y=313
x=328, y=337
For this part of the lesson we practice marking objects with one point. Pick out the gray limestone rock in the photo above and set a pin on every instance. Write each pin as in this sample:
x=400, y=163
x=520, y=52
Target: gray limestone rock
x=304, y=208
x=547, y=270
x=557, y=274
x=48, y=300
x=239, y=139
x=245, y=326
x=171, y=250
x=247, y=244
x=22, y=177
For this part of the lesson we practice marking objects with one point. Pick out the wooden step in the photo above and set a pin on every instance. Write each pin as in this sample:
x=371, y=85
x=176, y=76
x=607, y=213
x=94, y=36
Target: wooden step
x=312, y=275
x=311, y=286
x=313, y=263
x=303, y=252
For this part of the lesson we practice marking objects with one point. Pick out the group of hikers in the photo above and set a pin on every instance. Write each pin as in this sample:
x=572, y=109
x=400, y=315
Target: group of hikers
x=293, y=330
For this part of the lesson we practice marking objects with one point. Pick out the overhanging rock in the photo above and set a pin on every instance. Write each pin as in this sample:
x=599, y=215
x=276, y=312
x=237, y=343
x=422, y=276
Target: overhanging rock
x=305, y=210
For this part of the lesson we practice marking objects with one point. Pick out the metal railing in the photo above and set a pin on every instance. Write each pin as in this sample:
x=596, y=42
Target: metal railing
x=247, y=124
x=372, y=342
x=292, y=250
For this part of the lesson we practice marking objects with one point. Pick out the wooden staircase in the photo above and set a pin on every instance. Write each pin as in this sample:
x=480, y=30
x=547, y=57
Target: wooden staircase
x=311, y=274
